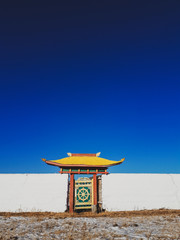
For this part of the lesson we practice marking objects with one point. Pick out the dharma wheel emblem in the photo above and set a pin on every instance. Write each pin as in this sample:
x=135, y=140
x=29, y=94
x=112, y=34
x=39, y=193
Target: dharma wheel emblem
x=83, y=194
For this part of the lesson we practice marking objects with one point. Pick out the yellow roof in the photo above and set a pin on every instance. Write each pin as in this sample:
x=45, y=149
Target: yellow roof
x=85, y=161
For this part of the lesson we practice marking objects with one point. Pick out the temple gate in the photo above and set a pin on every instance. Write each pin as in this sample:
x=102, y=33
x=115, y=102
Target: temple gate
x=83, y=193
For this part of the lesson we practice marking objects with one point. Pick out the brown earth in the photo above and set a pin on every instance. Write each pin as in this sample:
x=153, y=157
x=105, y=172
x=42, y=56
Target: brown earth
x=162, y=224
x=159, y=212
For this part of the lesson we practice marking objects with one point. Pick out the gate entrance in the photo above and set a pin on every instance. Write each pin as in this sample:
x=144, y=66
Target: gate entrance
x=83, y=193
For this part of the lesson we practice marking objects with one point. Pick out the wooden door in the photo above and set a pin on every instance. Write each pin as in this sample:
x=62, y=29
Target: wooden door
x=83, y=193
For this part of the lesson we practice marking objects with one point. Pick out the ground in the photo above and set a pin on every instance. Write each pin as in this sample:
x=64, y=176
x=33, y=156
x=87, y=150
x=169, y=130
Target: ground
x=154, y=224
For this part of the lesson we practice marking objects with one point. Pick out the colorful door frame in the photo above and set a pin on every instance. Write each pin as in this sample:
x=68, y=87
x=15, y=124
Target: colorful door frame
x=72, y=191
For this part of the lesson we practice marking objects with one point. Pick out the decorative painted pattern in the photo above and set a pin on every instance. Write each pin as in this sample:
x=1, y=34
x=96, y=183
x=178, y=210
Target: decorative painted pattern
x=83, y=193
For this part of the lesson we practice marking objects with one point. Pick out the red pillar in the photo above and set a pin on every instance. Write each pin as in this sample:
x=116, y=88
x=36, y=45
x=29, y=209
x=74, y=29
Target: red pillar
x=95, y=188
x=71, y=193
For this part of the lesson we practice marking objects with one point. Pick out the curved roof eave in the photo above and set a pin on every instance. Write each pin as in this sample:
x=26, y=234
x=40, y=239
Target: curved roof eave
x=54, y=163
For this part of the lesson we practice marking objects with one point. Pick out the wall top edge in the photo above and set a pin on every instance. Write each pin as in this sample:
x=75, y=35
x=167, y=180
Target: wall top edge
x=109, y=174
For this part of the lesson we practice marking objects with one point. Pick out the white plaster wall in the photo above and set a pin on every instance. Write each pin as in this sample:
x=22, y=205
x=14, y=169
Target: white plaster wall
x=140, y=191
x=33, y=192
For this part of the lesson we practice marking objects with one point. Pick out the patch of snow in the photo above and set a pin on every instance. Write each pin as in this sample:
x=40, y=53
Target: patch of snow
x=152, y=227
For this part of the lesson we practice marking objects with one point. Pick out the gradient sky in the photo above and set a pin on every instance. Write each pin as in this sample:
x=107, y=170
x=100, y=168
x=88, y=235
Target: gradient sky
x=87, y=77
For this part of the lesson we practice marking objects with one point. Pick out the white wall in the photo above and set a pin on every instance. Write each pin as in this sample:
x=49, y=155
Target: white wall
x=33, y=192
x=48, y=192
x=140, y=191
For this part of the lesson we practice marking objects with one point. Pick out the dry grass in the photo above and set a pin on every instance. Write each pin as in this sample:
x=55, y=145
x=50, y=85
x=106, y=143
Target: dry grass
x=156, y=212
x=152, y=225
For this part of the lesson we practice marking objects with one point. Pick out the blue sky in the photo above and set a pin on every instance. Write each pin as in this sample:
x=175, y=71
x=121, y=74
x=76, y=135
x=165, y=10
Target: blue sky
x=85, y=77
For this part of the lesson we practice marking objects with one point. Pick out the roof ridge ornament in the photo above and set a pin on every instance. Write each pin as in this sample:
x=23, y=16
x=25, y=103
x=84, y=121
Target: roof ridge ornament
x=83, y=154
x=98, y=154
